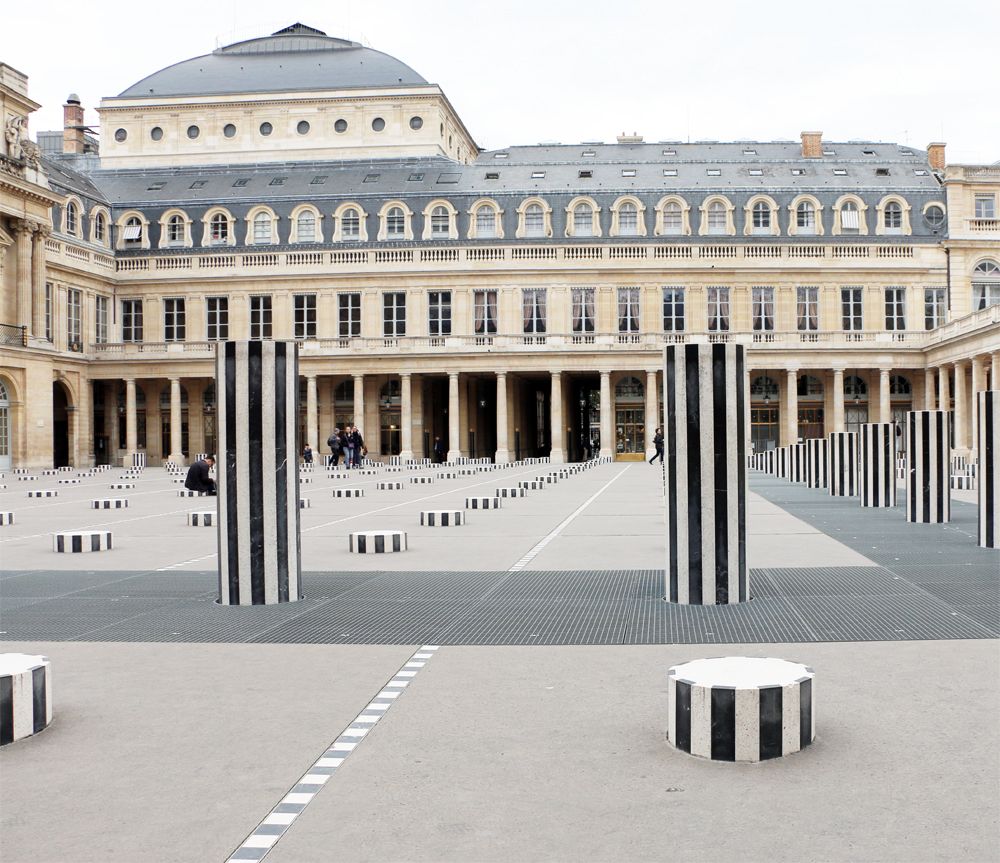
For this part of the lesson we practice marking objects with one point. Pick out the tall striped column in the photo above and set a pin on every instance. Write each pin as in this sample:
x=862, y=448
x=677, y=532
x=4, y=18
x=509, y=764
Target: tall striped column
x=989, y=468
x=258, y=398
x=928, y=495
x=797, y=462
x=843, y=464
x=877, y=464
x=817, y=462
x=705, y=474
x=781, y=462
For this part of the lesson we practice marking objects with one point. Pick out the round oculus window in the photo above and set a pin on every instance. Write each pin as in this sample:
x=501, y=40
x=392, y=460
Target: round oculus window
x=302, y=128
x=193, y=132
x=934, y=216
x=120, y=135
x=340, y=126
x=416, y=123
x=229, y=130
x=156, y=133
x=266, y=129
x=378, y=124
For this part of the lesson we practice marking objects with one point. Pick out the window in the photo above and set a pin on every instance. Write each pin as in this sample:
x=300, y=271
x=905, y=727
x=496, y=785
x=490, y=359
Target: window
x=378, y=124
x=628, y=310
x=840, y=172
x=349, y=315
x=761, y=218
x=628, y=220
x=485, y=308
x=174, y=320
x=935, y=312
x=101, y=305
x=713, y=172
x=895, y=308
x=350, y=224
x=218, y=229
x=669, y=152
x=262, y=228
x=893, y=216
x=583, y=220
x=132, y=233
x=277, y=181
x=241, y=182
x=175, y=230
x=538, y=175
x=807, y=308
x=851, y=308
x=986, y=206
x=439, y=313
x=850, y=218
x=394, y=313
x=193, y=132
x=395, y=224
x=717, y=222
x=798, y=172
x=198, y=184
x=492, y=175
x=673, y=218
x=260, y=317
x=72, y=220
x=131, y=320
x=416, y=123
x=628, y=172
x=303, y=127
x=881, y=172
x=585, y=175
x=534, y=221
x=304, y=315
x=805, y=218
x=340, y=126
x=48, y=311
x=486, y=223
x=217, y=317
x=583, y=310
x=985, y=285
x=755, y=172
x=266, y=129
x=229, y=130
x=318, y=180
x=305, y=227
x=100, y=227
x=934, y=216
x=74, y=319
x=414, y=178
x=718, y=309
x=533, y=310
x=440, y=223
x=669, y=172
x=749, y=151
x=500, y=155
x=673, y=310
x=762, y=308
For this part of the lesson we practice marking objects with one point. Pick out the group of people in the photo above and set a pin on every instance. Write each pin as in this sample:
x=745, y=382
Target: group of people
x=346, y=442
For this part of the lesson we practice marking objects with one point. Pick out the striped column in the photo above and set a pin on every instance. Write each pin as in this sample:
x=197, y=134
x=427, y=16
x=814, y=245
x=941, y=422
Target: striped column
x=843, y=464
x=817, y=460
x=989, y=468
x=797, y=462
x=258, y=398
x=928, y=495
x=781, y=462
x=877, y=464
x=705, y=474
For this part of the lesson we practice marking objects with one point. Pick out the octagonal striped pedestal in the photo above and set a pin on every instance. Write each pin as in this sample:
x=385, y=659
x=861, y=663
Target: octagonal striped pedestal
x=740, y=708
x=389, y=486
x=25, y=695
x=531, y=485
x=442, y=518
x=79, y=541
x=6, y=518
x=348, y=492
x=43, y=492
x=377, y=541
x=109, y=503
x=510, y=492
x=421, y=480
x=187, y=492
x=201, y=519
x=305, y=503
x=482, y=503
x=843, y=464
x=928, y=498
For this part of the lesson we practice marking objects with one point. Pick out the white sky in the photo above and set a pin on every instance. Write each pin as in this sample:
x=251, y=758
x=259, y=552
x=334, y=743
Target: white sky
x=522, y=72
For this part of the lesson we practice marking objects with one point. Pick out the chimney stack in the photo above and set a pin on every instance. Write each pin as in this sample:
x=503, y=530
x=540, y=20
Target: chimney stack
x=634, y=138
x=935, y=156
x=812, y=145
x=73, y=125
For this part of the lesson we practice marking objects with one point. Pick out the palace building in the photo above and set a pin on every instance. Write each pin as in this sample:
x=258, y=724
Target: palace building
x=512, y=302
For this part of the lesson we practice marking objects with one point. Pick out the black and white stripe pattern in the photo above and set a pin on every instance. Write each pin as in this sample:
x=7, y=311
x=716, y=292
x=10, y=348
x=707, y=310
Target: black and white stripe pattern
x=109, y=503
x=705, y=474
x=377, y=541
x=121, y=486
x=26, y=477
x=201, y=519
x=187, y=492
x=442, y=518
x=817, y=462
x=741, y=708
x=50, y=471
x=25, y=695
x=482, y=503
x=876, y=464
x=80, y=541
x=964, y=483
x=305, y=503
x=928, y=497
x=6, y=518
x=137, y=460
x=531, y=485
x=550, y=478
x=348, y=492
x=43, y=492
x=421, y=480
x=781, y=462
x=989, y=468
x=797, y=462
x=258, y=488
x=447, y=475
x=510, y=492
x=388, y=486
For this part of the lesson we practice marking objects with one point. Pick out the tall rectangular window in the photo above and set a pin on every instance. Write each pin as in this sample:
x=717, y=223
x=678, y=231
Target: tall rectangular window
x=304, y=315
x=718, y=309
x=935, y=311
x=895, y=308
x=101, y=305
x=260, y=317
x=986, y=290
x=762, y=308
x=74, y=318
x=217, y=318
x=807, y=308
x=48, y=311
x=394, y=313
x=349, y=315
x=628, y=310
x=986, y=206
x=439, y=313
x=131, y=320
x=583, y=310
x=174, y=320
x=533, y=310
x=673, y=310
x=485, y=307
x=851, y=308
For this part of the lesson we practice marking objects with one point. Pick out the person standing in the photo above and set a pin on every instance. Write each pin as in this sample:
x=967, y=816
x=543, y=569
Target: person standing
x=347, y=441
x=658, y=443
x=335, y=446
x=307, y=455
x=438, y=450
x=359, y=446
x=198, y=478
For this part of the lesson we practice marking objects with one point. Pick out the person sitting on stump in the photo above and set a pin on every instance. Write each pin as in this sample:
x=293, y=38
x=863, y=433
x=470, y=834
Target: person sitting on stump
x=198, y=478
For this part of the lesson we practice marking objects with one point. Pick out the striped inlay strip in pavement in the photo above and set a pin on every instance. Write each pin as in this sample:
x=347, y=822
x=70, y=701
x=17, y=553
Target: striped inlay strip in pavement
x=266, y=834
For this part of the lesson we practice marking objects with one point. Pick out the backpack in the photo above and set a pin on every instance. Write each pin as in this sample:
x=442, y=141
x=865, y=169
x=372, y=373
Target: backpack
x=332, y=440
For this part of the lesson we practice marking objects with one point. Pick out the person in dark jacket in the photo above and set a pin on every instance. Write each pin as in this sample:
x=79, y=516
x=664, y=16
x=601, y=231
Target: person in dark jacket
x=359, y=446
x=198, y=478
x=307, y=454
x=658, y=443
x=336, y=445
x=438, y=450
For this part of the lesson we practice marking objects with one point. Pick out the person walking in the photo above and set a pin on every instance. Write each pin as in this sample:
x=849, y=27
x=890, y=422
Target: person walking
x=335, y=446
x=197, y=476
x=658, y=443
x=359, y=446
x=347, y=444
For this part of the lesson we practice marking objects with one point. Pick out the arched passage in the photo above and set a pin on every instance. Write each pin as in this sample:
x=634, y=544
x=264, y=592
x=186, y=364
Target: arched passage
x=6, y=433
x=60, y=425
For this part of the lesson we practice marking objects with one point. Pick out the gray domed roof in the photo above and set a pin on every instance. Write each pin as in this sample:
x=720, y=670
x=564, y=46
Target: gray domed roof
x=295, y=58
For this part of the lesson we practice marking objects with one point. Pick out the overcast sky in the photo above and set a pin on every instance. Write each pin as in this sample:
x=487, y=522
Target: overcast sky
x=521, y=72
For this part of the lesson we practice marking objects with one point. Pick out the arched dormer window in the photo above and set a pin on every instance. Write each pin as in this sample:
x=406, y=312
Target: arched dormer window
x=717, y=217
x=805, y=217
x=219, y=228
x=985, y=285
x=261, y=229
x=893, y=217
x=761, y=217
x=485, y=222
x=535, y=219
x=440, y=221
x=673, y=217
x=72, y=218
x=350, y=224
x=627, y=218
x=173, y=230
x=99, y=227
x=306, y=225
x=583, y=218
x=395, y=222
x=849, y=217
x=133, y=231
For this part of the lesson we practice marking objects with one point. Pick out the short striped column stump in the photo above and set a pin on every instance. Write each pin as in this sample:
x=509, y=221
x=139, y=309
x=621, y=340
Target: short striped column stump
x=422, y=480
x=6, y=518
x=20, y=471
x=305, y=503
x=26, y=477
x=388, y=486
x=79, y=541
x=130, y=476
x=510, y=492
x=531, y=485
x=305, y=480
x=442, y=518
x=43, y=492
x=467, y=471
x=963, y=483
x=50, y=471
x=25, y=695
x=348, y=492
x=740, y=708
x=71, y=480
x=482, y=503
x=121, y=486
x=377, y=541
x=109, y=503
x=201, y=519
x=549, y=478
x=187, y=492
x=448, y=475
x=179, y=480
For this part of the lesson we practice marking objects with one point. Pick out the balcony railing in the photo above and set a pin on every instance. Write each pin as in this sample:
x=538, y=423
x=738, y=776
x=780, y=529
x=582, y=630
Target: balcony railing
x=14, y=336
x=984, y=225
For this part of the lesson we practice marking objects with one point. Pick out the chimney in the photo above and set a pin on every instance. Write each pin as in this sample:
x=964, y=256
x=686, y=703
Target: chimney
x=935, y=156
x=812, y=145
x=73, y=125
x=634, y=138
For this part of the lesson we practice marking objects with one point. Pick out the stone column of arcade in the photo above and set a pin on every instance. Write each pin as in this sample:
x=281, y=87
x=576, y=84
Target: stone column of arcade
x=131, y=421
x=961, y=412
x=838, y=400
x=705, y=477
x=978, y=385
x=929, y=403
x=312, y=415
x=503, y=445
x=258, y=483
x=38, y=282
x=652, y=420
x=791, y=406
x=406, y=417
x=556, y=453
x=454, y=428
x=176, y=456
x=607, y=410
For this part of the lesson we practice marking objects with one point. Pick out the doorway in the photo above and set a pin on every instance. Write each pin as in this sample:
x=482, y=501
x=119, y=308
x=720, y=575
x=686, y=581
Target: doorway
x=5, y=432
x=60, y=426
